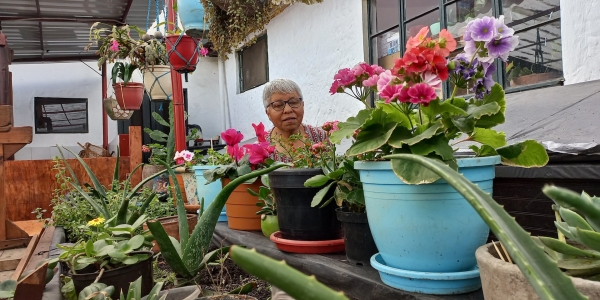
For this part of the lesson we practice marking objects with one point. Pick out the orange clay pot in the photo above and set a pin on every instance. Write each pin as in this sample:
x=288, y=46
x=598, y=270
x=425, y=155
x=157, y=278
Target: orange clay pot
x=241, y=207
x=181, y=187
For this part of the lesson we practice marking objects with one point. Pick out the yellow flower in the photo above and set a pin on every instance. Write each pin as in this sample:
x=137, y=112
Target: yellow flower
x=96, y=221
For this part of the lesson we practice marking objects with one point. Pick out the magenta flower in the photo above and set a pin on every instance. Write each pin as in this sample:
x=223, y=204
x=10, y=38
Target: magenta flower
x=421, y=93
x=317, y=147
x=236, y=152
x=261, y=134
x=258, y=152
x=330, y=126
x=390, y=92
x=231, y=137
x=482, y=30
x=115, y=46
x=384, y=79
x=336, y=87
x=359, y=69
x=145, y=149
x=345, y=77
x=403, y=95
x=203, y=51
x=371, y=81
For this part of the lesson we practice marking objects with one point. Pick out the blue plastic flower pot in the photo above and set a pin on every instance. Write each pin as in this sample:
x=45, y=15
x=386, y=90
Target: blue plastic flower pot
x=210, y=191
x=191, y=13
x=425, y=228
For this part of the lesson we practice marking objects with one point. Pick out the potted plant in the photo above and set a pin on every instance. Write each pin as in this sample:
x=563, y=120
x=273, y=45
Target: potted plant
x=344, y=180
x=155, y=67
x=402, y=196
x=191, y=14
x=208, y=192
x=268, y=208
x=183, y=51
x=114, y=111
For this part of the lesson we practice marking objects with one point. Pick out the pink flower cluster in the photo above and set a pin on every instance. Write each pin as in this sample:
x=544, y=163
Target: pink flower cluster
x=330, y=126
x=358, y=76
x=258, y=152
x=183, y=156
x=203, y=51
x=114, y=47
x=145, y=149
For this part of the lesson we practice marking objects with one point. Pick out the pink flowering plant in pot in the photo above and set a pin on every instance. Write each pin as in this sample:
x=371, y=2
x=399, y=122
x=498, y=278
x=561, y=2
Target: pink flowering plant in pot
x=411, y=117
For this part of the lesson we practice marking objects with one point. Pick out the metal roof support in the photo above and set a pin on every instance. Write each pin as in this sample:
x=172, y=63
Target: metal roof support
x=39, y=13
x=104, y=115
x=124, y=17
x=178, y=107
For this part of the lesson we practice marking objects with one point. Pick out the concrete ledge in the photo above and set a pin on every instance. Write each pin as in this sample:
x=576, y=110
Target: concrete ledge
x=52, y=291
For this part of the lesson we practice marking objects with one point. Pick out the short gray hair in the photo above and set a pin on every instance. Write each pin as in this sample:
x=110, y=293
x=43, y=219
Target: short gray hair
x=280, y=85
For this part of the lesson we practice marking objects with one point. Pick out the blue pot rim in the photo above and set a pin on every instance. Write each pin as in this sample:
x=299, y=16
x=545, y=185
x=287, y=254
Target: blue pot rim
x=449, y=276
x=207, y=167
x=462, y=163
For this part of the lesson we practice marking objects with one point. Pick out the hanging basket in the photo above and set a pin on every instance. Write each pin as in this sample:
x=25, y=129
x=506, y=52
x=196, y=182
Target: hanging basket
x=157, y=82
x=129, y=96
x=191, y=14
x=114, y=111
x=183, y=52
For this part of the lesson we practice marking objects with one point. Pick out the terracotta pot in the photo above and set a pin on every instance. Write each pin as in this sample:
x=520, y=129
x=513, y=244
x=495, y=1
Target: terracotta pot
x=241, y=207
x=182, y=52
x=149, y=170
x=534, y=78
x=129, y=96
x=307, y=247
x=171, y=226
x=502, y=280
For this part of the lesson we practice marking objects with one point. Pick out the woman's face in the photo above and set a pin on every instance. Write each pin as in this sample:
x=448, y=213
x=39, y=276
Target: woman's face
x=288, y=119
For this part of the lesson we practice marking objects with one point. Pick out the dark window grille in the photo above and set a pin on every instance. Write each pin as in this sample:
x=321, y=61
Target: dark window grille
x=61, y=115
x=254, y=65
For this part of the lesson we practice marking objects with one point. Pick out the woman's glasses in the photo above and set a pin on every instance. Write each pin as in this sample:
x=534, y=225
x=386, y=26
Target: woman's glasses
x=280, y=105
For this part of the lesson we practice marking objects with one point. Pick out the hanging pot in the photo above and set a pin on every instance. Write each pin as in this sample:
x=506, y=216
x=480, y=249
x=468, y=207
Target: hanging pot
x=183, y=52
x=129, y=96
x=114, y=111
x=191, y=14
x=157, y=82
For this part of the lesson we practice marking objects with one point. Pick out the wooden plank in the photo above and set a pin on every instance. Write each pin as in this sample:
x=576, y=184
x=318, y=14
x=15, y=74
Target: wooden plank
x=17, y=135
x=2, y=195
x=16, y=243
x=26, y=256
x=5, y=275
x=31, y=227
x=135, y=153
x=9, y=259
x=11, y=149
x=32, y=189
x=13, y=231
x=6, y=115
x=32, y=286
x=42, y=249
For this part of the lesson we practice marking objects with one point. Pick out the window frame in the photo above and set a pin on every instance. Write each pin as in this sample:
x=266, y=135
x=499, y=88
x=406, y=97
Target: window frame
x=496, y=12
x=241, y=64
x=87, y=114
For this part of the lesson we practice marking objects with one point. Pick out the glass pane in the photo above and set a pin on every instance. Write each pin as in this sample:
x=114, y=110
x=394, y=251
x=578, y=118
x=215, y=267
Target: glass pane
x=385, y=48
x=417, y=7
x=537, y=58
x=254, y=65
x=384, y=15
x=61, y=115
x=431, y=20
x=458, y=14
x=521, y=14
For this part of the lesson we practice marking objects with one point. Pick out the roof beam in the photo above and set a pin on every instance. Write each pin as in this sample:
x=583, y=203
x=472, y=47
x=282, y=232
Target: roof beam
x=60, y=19
x=39, y=13
x=55, y=59
x=126, y=12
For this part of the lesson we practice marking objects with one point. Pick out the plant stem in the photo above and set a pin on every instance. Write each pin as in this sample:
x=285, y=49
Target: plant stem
x=463, y=140
x=99, y=275
x=420, y=115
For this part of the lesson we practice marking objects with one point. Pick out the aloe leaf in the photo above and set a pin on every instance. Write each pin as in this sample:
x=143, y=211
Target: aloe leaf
x=68, y=166
x=141, y=184
x=115, y=186
x=571, y=200
x=202, y=234
x=590, y=239
x=184, y=233
x=579, y=263
x=564, y=228
x=279, y=274
x=100, y=210
x=140, y=211
x=213, y=255
x=124, y=207
x=574, y=219
x=90, y=173
x=542, y=273
x=167, y=249
x=565, y=248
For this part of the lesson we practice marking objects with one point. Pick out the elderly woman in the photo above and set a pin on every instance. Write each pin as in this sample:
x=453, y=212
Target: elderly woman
x=284, y=107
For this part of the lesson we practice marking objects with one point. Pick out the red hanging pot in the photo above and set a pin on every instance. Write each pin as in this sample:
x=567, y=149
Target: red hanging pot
x=129, y=96
x=183, y=52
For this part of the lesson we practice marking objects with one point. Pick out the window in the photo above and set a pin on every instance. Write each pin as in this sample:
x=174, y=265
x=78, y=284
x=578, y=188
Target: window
x=536, y=61
x=61, y=115
x=254, y=65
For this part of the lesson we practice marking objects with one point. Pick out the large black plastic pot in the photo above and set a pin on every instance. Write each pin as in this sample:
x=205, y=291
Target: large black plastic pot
x=119, y=278
x=297, y=220
x=359, y=242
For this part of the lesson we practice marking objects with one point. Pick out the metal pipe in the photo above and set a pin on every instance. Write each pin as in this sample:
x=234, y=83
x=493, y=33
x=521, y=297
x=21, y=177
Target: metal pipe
x=178, y=115
x=104, y=114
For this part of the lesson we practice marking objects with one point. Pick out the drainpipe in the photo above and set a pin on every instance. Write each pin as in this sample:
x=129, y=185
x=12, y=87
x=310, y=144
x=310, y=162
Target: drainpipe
x=178, y=106
x=104, y=115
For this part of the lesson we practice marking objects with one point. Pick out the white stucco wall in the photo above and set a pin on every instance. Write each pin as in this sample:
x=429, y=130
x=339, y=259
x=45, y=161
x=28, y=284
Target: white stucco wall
x=308, y=44
x=68, y=80
x=204, y=104
x=580, y=40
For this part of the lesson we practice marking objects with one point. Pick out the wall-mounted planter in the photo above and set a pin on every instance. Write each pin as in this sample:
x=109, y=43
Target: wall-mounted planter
x=157, y=82
x=183, y=52
x=129, y=96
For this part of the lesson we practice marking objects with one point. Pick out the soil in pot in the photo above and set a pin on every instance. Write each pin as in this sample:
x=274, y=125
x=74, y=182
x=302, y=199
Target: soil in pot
x=171, y=226
x=121, y=277
x=360, y=245
x=297, y=220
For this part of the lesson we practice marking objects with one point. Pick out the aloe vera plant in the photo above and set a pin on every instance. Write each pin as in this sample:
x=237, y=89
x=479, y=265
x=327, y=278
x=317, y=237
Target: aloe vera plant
x=540, y=270
x=278, y=273
x=581, y=215
x=187, y=257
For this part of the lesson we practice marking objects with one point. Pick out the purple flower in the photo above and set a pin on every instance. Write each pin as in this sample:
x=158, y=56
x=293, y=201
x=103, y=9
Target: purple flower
x=484, y=84
x=481, y=30
x=501, y=29
x=500, y=47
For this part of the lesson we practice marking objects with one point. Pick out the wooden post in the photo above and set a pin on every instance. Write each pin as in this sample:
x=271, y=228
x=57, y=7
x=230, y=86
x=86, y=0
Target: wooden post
x=5, y=60
x=2, y=197
x=135, y=153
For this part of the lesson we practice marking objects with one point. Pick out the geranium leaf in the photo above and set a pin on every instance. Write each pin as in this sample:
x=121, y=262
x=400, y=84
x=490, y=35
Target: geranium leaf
x=464, y=124
x=488, y=109
x=372, y=138
x=485, y=150
x=393, y=114
x=437, y=107
x=489, y=137
x=399, y=136
x=346, y=129
x=437, y=143
x=526, y=154
x=496, y=95
x=412, y=172
x=429, y=132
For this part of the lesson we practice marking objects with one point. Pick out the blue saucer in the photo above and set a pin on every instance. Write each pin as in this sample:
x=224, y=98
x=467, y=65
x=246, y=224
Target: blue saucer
x=223, y=217
x=427, y=282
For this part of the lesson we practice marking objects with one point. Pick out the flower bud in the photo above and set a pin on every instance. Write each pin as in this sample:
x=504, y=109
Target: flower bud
x=452, y=65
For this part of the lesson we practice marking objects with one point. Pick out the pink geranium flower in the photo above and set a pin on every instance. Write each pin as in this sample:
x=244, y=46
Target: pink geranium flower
x=384, y=79
x=335, y=87
x=203, y=51
x=261, y=134
x=371, y=81
x=391, y=92
x=115, y=46
x=258, y=152
x=345, y=77
x=446, y=43
x=415, y=41
x=231, y=137
x=421, y=93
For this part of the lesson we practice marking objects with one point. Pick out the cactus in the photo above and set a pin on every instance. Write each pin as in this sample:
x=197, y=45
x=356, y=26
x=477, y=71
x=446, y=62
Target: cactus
x=581, y=215
x=278, y=273
x=187, y=259
x=540, y=270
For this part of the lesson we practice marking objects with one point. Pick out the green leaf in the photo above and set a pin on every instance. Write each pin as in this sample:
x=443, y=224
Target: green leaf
x=438, y=106
x=170, y=254
x=542, y=272
x=524, y=154
x=335, y=175
x=320, y=194
x=96, y=288
x=316, y=181
x=347, y=129
x=356, y=197
x=579, y=263
x=245, y=289
x=589, y=238
x=489, y=137
x=412, y=172
x=130, y=260
x=399, y=137
x=429, y=132
x=437, y=144
x=496, y=95
x=485, y=150
x=488, y=109
x=581, y=203
x=158, y=136
x=574, y=219
x=8, y=288
x=464, y=124
x=136, y=241
x=89, y=248
x=393, y=114
x=160, y=120
x=97, y=185
x=372, y=138
x=565, y=248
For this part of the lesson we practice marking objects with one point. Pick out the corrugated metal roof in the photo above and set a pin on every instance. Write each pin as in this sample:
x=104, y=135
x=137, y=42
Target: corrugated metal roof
x=46, y=30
